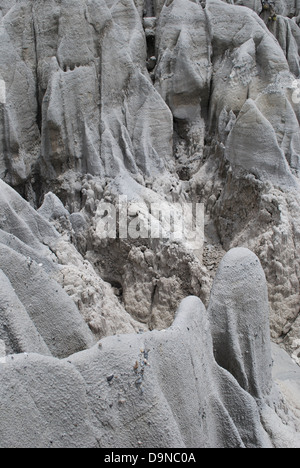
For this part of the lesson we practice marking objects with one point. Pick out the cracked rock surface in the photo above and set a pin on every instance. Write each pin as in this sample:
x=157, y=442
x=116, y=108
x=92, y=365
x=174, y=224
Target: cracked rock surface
x=148, y=342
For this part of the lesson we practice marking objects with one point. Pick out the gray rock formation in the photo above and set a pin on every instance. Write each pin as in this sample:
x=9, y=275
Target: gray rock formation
x=155, y=389
x=38, y=316
x=238, y=312
x=165, y=102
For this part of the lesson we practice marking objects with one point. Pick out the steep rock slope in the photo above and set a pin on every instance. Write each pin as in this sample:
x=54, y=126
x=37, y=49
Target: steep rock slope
x=162, y=102
x=154, y=389
x=176, y=101
x=37, y=315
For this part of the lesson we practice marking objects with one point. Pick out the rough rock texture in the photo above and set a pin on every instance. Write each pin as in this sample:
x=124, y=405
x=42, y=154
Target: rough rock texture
x=35, y=262
x=286, y=374
x=163, y=102
x=170, y=388
x=154, y=389
x=238, y=312
x=176, y=101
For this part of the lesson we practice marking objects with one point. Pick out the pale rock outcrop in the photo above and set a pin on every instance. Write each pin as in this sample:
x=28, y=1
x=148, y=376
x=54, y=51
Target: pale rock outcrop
x=162, y=97
x=52, y=208
x=286, y=375
x=180, y=357
x=166, y=102
x=283, y=26
x=38, y=268
x=154, y=389
x=263, y=158
x=290, y=8
x=238, y=312
x=43, y=404
x=18, y=332
x=37, y=313
x=287, y=33
x=278, y=110
x=136, y=375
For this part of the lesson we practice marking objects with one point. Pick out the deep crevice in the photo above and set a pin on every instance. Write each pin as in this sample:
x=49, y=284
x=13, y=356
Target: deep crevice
x=38, y=101
x=149, y=9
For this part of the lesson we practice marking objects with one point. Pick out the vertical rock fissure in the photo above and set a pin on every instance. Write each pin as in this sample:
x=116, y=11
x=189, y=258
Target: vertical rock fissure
x=38, y=102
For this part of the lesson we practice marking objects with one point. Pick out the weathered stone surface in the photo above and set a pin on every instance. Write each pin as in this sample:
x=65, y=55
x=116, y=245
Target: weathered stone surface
x=238, y=312
x=153, y=389
x=124, y=392
x=265, y=159
x=180, y=357
x=43, y=404
x=162, y=102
